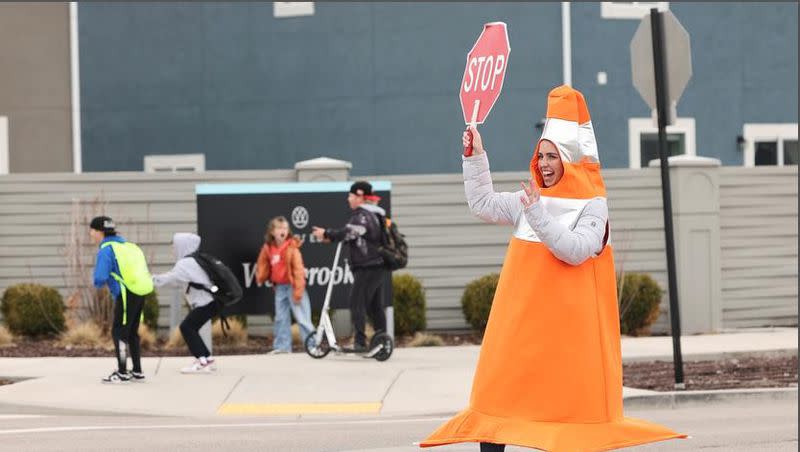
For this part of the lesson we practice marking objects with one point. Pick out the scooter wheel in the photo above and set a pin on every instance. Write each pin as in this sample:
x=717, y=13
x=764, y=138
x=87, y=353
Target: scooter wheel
x=317, y=351
x=388, y=346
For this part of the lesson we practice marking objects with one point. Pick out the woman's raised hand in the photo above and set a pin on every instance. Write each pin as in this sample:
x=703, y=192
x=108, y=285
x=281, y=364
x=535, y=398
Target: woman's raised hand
x=530, y=194
x=477, y=142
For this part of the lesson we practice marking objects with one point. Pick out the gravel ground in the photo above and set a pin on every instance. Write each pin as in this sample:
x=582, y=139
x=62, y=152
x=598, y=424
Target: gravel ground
x=740, y=373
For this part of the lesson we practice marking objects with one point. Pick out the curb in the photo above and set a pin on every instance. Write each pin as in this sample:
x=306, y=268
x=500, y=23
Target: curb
x=715, y=356
x=675, y=399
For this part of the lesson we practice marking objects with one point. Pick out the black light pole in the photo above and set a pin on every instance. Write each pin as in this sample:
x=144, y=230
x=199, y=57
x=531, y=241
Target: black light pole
x=660, y=64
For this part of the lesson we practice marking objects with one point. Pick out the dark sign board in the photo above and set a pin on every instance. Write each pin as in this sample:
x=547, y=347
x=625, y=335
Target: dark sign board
x=232, y=222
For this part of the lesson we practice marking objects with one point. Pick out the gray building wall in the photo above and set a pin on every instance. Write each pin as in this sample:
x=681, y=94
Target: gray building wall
x=373, y=83
x=377, y=83
x=744, y=60
x=35, y=85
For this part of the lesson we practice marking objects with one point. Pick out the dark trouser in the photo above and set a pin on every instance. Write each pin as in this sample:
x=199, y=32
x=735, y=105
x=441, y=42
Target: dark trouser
x=366, y=297
x=125, y=330
x=191, y=325
x=491, y=447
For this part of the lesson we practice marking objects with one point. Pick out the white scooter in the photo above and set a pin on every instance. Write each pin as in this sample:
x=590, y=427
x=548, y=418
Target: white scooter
x=320, y=343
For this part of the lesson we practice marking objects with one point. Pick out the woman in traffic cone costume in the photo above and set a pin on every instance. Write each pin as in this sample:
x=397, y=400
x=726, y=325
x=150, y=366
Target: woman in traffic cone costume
x=549, y=374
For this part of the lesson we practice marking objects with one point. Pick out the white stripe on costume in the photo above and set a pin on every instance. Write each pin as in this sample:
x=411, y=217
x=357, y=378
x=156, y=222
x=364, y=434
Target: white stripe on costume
x=587, y=141
x=565, y=210
x=564, y=134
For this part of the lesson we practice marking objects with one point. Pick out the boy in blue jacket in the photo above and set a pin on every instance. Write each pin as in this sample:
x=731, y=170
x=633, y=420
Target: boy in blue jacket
x=127, y=307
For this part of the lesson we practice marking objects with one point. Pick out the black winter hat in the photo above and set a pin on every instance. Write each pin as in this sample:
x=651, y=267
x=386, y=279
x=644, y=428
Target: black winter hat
x=105, y=224
x=361, y=187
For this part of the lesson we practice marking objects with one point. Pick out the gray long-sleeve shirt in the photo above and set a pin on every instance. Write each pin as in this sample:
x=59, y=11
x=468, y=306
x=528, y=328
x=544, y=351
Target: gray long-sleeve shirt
x=571, y=241
x=186, y=270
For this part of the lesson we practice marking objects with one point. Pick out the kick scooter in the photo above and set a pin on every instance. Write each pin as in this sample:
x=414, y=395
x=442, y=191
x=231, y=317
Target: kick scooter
x=321, y=342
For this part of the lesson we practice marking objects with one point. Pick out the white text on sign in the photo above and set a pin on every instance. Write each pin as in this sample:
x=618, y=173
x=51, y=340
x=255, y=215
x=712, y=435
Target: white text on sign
x=485, y=75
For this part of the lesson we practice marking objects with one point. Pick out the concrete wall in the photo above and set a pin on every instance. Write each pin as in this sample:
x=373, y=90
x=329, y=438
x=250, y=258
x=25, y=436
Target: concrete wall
x=35, y=85
x=756, y=251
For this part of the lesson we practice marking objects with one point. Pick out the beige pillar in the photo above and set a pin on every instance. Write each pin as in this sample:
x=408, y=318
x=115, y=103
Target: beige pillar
x=323, y=169
x=695, y=210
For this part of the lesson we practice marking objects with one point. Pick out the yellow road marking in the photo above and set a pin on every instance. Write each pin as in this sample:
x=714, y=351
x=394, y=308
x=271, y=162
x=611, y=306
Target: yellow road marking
x=299, y=408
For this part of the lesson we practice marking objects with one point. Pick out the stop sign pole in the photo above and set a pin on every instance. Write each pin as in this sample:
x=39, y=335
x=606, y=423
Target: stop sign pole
x=659, y=63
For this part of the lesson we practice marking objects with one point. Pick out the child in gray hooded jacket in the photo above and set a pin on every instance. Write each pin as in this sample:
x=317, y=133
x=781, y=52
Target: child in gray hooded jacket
x=203, y=307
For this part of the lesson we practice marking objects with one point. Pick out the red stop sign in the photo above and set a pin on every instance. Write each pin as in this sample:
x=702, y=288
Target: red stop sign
x=485, y=72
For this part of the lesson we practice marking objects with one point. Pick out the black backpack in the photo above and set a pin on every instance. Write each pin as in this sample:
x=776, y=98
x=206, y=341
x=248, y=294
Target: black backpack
x=225, y=288
x=393, y=248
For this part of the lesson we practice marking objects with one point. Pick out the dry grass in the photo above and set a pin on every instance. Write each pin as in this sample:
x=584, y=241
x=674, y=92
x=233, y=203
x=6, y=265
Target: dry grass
x=296, y=335
x=426, y=340
x=147, y=339
x=85, y=335
x=175, y=340
x=296, y=339
x=6, y=338
x=236, y=334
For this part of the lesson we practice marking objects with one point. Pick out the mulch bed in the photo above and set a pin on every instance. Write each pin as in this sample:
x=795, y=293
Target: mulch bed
x=255, y=345
x=733, y=373
x=462, y=338
x=47, y=347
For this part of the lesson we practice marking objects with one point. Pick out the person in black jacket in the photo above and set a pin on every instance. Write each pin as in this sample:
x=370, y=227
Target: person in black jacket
x=363, y=235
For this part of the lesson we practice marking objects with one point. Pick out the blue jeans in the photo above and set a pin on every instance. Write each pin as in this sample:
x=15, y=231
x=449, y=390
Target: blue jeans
x=286, y=307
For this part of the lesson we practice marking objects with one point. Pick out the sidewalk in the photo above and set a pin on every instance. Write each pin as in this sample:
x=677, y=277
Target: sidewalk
x=415, y=381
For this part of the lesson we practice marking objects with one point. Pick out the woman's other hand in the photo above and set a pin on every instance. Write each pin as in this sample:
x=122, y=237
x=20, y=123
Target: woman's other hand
x=530, y=194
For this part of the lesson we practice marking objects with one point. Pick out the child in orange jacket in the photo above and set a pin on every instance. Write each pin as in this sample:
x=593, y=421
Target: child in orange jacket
x=281, y=263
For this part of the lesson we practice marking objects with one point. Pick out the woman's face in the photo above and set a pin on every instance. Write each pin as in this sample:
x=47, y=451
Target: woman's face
x=550, y=165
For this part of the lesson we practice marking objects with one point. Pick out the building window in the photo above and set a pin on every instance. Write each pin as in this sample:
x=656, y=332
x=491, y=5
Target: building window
x=3, y=145
x=178, y=163
x=643, y=140
x=292, y=9
x=629, y=10
x=770, y=144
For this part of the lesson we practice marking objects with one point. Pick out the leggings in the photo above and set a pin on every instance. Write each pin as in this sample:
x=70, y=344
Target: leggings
x=191, y=325
x=125, y=329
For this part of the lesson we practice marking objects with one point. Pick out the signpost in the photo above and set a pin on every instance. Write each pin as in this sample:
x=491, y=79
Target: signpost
x=661, y=64
x=484, y=75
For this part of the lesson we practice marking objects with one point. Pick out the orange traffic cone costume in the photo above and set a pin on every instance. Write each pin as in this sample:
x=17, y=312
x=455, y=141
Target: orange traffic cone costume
x=549, y=374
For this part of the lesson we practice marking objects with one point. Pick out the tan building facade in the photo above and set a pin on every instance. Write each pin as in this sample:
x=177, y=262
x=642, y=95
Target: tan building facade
x=35, y=88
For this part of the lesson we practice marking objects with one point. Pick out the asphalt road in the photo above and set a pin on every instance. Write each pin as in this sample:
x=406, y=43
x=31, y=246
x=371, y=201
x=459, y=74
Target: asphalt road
x=724, y=426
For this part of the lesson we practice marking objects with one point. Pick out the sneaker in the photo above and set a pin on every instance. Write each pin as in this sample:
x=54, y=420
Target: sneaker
x=197, y=368
x=278, y=351
x=212, y=363
x=136, y=376
x=117, y=377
